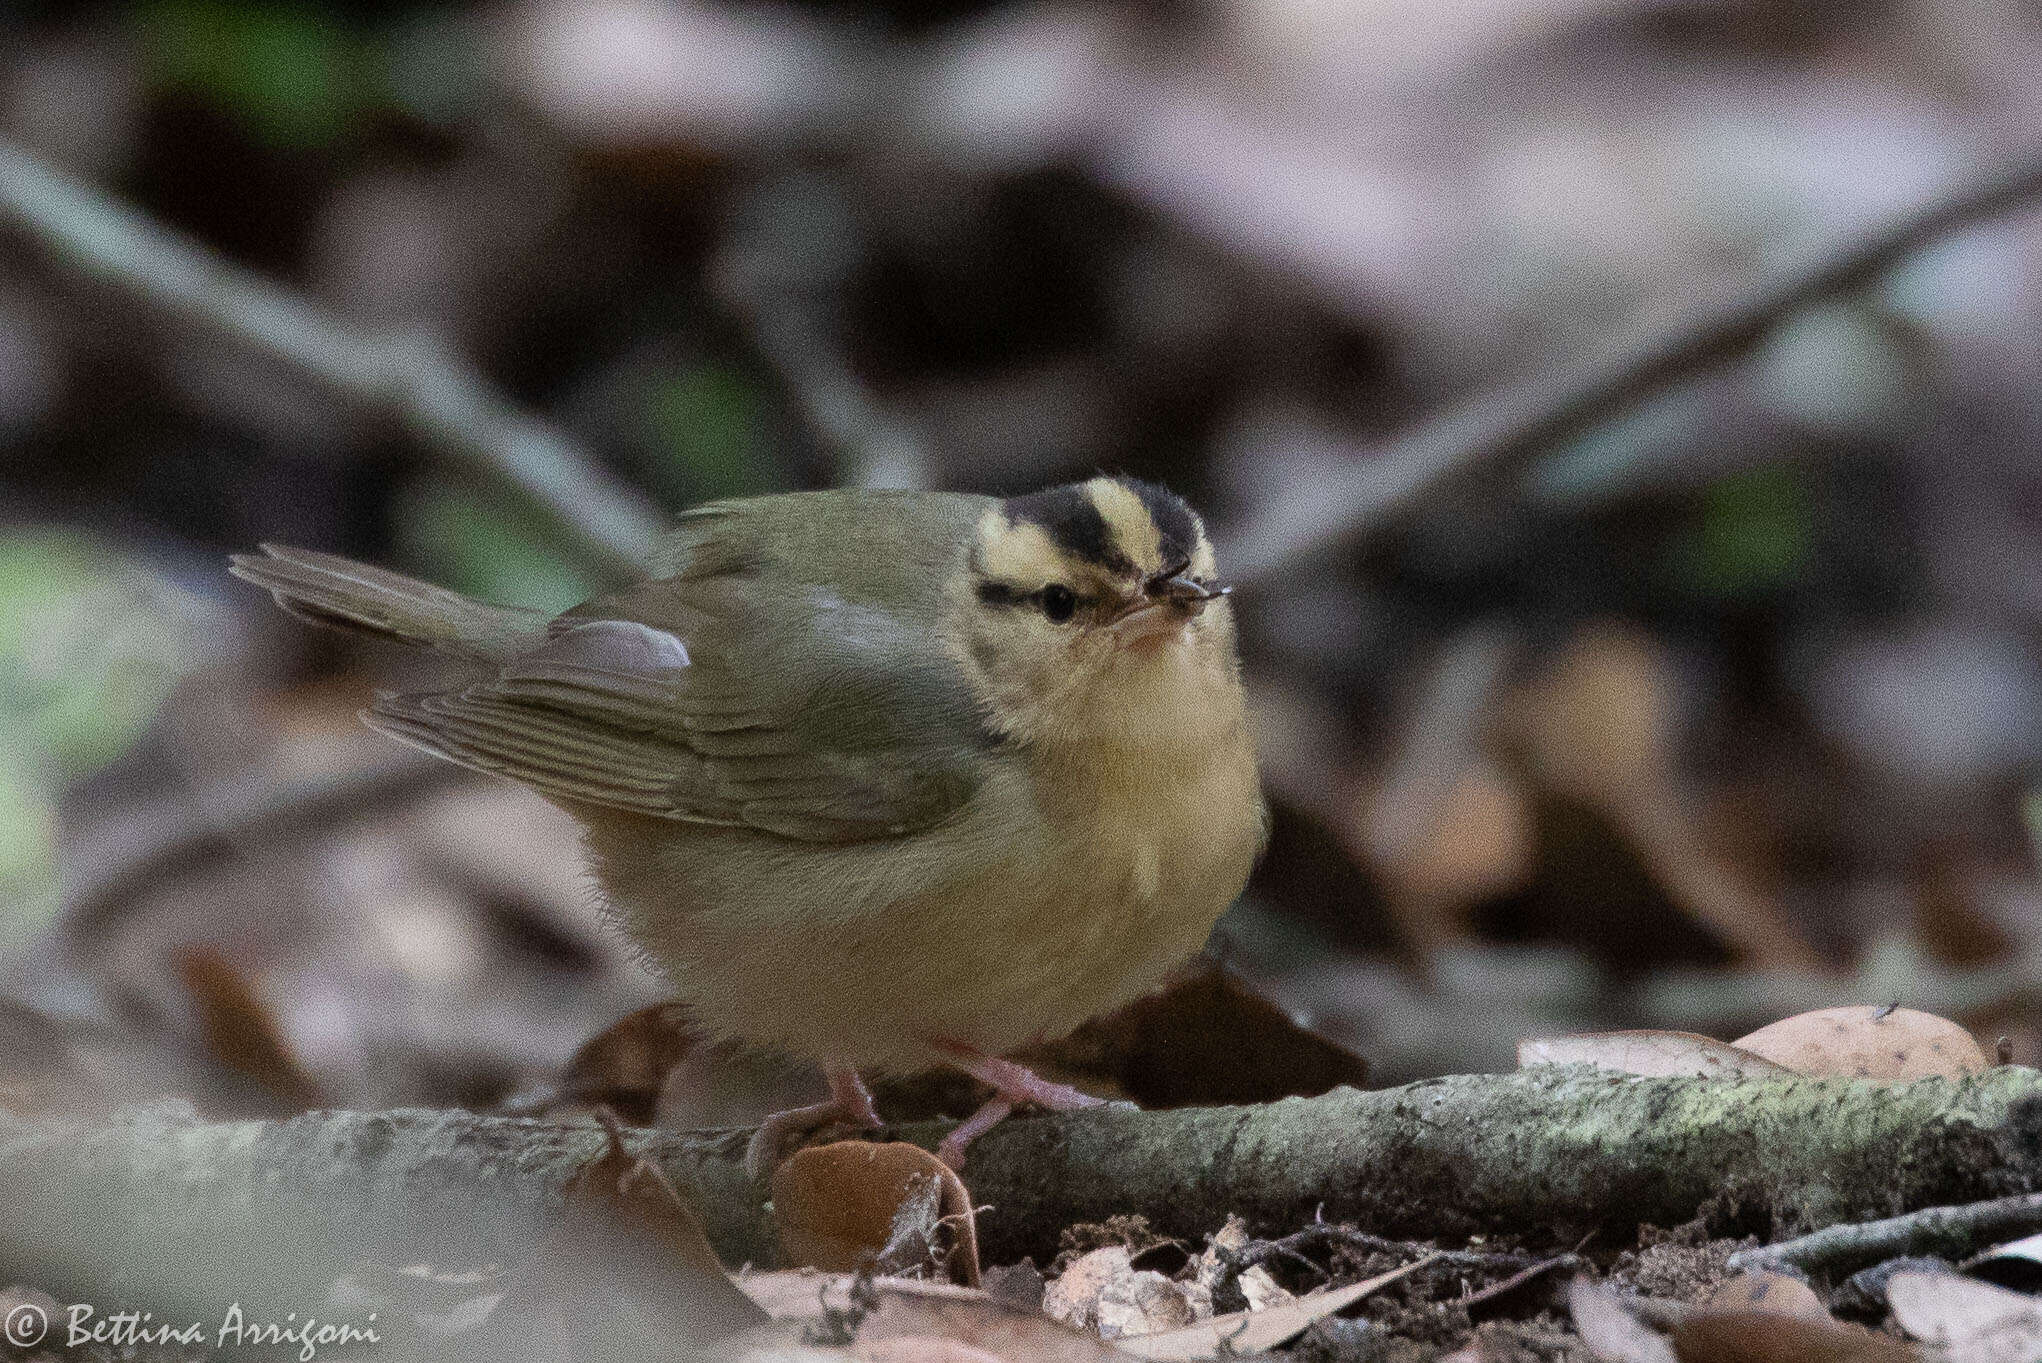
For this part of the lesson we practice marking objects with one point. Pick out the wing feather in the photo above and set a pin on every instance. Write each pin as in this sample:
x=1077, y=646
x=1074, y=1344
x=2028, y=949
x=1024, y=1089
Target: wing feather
x=817, y=720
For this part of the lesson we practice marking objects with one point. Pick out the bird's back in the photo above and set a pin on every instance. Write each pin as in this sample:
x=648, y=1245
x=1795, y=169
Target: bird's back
x=879, y=548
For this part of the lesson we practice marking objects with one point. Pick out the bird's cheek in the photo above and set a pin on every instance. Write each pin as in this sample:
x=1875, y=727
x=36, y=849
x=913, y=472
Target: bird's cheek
x=1152, y=628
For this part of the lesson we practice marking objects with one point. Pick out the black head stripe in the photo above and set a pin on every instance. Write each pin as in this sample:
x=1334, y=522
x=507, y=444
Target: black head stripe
x=1175, y=522
x=1072, y=523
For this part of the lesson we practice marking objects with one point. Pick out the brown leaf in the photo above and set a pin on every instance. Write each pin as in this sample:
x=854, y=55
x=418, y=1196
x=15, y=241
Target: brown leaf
x=1205, y=1037
x=241, y=1030
x=1710, y=1336
x=1653, y=1053
x=852, y=1204
x=624, y=1066
x=1253, y=1332
x=1863, y=1042
x=1596, y=720
x=1780, y=1293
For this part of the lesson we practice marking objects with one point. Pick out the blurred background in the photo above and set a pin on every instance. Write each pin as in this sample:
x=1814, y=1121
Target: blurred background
x=1726, y=706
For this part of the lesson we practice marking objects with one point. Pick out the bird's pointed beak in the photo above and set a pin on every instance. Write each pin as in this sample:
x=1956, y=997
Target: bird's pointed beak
x=1181, y=590
x=1168, y=601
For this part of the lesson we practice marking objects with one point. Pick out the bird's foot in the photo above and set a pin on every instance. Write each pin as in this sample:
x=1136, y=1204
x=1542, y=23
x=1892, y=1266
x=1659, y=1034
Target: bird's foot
x=1012, y=1086
x=849, y=1102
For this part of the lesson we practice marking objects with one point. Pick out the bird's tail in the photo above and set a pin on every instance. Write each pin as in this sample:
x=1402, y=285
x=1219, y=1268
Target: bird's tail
x=329, y=590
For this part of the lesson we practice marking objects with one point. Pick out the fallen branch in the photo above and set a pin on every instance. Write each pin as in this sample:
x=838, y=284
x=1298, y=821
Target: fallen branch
x=175, y=1204
x=1951, y=1232
x=435, y=394
x=1493, y=432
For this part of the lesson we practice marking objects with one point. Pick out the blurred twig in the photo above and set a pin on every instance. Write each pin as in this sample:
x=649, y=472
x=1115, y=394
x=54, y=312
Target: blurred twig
x=1497, y=432
x=266, y=818
x=438, y=396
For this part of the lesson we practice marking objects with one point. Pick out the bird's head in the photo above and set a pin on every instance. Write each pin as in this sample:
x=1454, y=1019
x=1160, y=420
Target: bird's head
x=1091, y=610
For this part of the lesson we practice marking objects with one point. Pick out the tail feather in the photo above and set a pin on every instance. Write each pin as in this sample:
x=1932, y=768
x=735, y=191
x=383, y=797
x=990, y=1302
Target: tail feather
x=326, y=589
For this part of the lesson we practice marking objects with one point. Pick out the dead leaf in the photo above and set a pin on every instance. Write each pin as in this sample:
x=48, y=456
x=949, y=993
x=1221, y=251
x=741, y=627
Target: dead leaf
x=1263, y=1291
x=1596, y=727
x=807, y=1294
x=1654, y=1054
x=1863, y=1042
x=1206, y=1037
x=1020, y=1286
x=1102, y=1292
x=854, y=1204
x=1253, y=1332
x=625, y=1064
x=1596, y=720
x=1781, y=1293
x=1479, y=842
x=623, y=1213
x=970, y=1317
x=1610, y=1331
x=922, y=1349
x=1975, y=1322
x=241, y=1030
x=1707, y=1335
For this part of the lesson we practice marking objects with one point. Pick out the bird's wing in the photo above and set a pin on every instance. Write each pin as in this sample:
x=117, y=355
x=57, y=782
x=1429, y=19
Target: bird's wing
x=784, y=709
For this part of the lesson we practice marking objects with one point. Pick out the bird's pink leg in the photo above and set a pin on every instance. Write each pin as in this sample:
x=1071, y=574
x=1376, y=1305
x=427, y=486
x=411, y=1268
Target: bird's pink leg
x=1012, y=1085
x=849, y=1102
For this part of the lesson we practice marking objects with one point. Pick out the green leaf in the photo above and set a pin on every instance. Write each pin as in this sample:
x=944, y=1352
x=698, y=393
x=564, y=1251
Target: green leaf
x=708, y=420
x=478, y=544
x=289, y=73
x=1755, y=534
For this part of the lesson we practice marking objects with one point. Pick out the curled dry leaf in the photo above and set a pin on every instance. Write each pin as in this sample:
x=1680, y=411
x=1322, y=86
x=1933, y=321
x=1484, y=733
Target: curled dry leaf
x=852, y=1204
x=1975, y=1322
x=624, y=1065
x=1651, y=1053
x=1205, y=1037
x=1104, y=1293
x=1863, y=1042
x=627, y=1238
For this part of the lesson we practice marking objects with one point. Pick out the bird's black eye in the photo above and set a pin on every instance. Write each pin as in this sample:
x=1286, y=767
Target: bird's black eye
x=1059, y=602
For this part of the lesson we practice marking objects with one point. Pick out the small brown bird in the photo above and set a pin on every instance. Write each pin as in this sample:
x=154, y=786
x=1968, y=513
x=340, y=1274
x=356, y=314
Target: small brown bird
x=883, y=780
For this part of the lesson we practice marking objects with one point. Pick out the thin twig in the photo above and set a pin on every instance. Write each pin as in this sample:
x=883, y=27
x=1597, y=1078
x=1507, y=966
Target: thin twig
x=435, y=394
x=1496, y=432
x=1951, y=1232
x=1324, y=1237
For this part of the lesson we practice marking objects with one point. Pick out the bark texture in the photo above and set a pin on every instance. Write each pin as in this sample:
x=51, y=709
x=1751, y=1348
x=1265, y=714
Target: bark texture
x=162, y=1202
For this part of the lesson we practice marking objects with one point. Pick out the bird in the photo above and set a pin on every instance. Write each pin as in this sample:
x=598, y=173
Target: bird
x=883, y=780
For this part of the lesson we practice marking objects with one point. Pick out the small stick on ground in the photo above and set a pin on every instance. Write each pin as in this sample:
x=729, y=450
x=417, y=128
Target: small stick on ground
x=1950, y=1232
